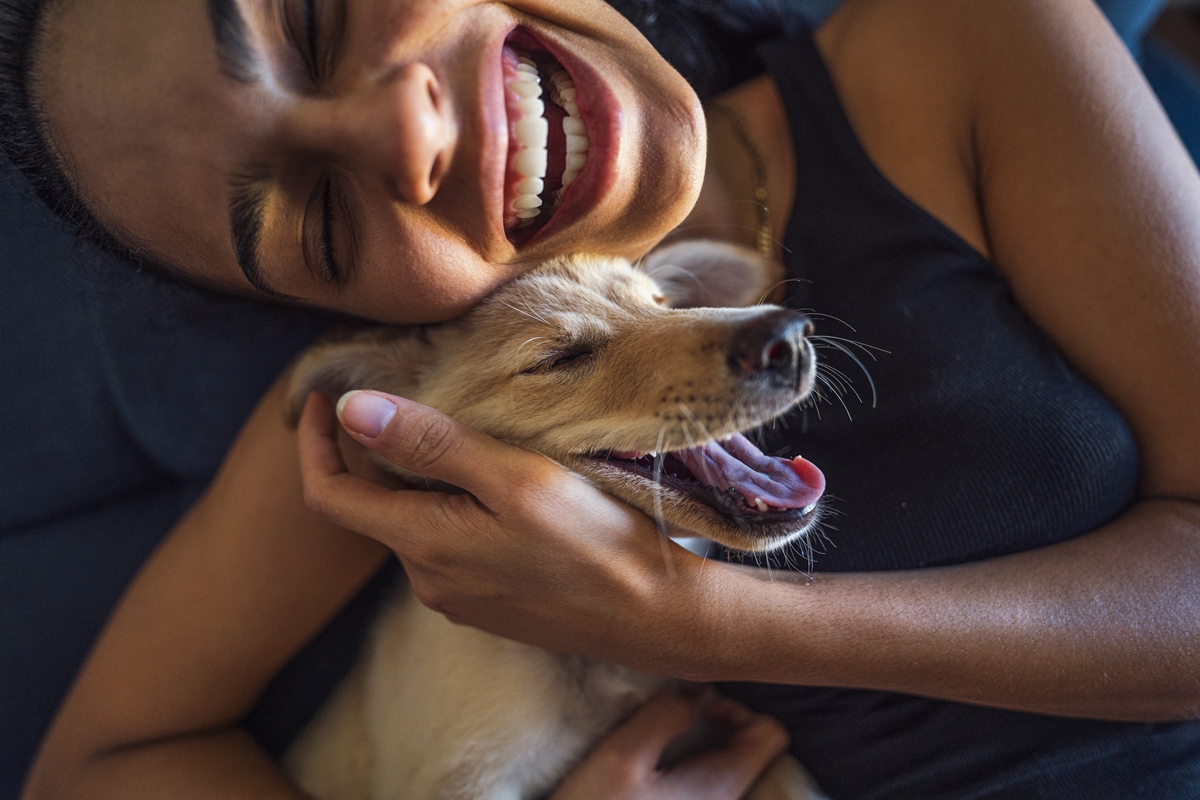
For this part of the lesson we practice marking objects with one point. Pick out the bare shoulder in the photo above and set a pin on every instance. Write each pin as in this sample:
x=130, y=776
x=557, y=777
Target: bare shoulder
x=953, y=42
x=1081, y=189
x=907, y=81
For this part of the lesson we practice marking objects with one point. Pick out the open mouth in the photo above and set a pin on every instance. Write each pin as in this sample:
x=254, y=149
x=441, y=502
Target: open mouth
x=733, y=477
x=548, y=142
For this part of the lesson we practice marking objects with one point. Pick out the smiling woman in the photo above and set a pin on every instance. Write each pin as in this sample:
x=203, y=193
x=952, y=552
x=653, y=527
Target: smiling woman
x=304, y=146
x=987, y=193
x=158, y=94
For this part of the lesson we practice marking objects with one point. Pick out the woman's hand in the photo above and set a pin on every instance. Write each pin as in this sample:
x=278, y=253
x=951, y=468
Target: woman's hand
x=535, y=554
x=624, y=765
x=532, y=553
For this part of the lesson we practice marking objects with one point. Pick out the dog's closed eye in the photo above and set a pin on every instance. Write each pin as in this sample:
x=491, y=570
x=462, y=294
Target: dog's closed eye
x=562, y=359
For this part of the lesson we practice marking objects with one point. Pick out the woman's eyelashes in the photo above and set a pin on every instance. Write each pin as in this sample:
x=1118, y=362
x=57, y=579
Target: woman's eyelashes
x=315, y=30
x=323, y=216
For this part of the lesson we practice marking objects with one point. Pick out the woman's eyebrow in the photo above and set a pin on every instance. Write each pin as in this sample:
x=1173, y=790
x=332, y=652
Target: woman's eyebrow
x=235, y=52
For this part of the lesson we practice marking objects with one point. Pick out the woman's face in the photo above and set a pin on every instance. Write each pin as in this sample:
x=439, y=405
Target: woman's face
x=362, y=155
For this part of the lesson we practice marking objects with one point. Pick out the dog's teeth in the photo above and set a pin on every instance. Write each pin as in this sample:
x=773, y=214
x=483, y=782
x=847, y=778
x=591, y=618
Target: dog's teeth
x=758, y=502
x=808, y=509
x=654, y=454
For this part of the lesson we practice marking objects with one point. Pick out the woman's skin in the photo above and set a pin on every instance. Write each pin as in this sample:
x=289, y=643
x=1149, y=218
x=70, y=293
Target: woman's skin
x=623, y=766
x=1023, y=126
x=409, y=120
x=1028, y=130
x=407, y=123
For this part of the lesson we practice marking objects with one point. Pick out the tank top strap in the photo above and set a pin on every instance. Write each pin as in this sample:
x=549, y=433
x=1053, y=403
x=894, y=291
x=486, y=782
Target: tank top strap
x=839, y=189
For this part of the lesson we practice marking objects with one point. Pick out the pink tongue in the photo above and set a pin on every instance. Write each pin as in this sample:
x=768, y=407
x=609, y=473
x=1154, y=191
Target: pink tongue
x=737, y=464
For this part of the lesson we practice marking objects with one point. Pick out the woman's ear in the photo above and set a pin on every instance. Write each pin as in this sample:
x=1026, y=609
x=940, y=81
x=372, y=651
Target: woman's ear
x=384, y=359
x=701, y=273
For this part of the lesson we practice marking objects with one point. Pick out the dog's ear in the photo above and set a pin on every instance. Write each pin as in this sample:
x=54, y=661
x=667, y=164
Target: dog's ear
x=700, y=273
x=386, y=359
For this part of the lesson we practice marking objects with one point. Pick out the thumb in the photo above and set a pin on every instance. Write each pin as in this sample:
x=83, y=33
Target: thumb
x=423, y=440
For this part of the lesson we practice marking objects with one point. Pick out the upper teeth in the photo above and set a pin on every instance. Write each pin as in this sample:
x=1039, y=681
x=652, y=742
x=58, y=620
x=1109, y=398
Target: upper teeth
x=533, y=131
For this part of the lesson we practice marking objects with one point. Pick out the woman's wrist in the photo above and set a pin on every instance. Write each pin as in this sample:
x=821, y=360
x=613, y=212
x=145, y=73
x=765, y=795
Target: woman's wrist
x=723, y=618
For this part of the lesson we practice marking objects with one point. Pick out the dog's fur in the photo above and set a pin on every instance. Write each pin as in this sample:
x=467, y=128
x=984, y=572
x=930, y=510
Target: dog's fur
x=583, y=357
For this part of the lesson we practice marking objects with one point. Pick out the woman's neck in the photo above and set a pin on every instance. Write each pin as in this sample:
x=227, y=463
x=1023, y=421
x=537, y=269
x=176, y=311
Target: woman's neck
x=727, y=208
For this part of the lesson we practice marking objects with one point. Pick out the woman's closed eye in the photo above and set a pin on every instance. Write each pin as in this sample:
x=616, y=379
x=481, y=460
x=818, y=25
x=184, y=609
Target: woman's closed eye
x=315, y=29
x=326, y=221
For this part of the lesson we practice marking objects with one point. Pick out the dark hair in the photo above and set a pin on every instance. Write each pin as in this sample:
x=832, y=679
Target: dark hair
x=23, y=138
x=709, y=41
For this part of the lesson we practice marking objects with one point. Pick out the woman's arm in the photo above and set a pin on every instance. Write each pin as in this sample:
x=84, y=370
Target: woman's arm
x=1027, y=128
x=241, y=584
x=1089, y=205
x=1103, y=626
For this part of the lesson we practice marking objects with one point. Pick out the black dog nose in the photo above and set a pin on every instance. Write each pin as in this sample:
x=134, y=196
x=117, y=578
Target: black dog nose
x=772, y=347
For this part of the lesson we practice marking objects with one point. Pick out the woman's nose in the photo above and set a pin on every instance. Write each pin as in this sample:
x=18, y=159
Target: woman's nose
x=423, y=133
x=400, y=129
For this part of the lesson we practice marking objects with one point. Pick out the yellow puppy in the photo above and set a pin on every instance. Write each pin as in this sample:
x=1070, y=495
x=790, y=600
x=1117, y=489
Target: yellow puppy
x=631, y=377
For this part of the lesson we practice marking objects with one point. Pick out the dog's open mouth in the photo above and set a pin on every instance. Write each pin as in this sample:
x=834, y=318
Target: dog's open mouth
x=732, y=476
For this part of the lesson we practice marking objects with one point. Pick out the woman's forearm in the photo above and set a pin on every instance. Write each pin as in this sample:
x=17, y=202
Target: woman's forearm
x=240, y=585
x=1106, y=625
x=226, y=764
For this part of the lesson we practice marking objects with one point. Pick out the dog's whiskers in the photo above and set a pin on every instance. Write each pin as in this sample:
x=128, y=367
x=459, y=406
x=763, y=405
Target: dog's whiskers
x=837, y=389
x=529, y=313
x=771, y=289
x=836, y=343
x=843, y=378
x=808, y=312
x=868, y=349
x=660, y=520
x=838, y=380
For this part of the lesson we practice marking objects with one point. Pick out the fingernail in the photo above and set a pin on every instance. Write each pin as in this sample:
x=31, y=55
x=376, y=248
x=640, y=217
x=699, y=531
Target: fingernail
x=365, y=413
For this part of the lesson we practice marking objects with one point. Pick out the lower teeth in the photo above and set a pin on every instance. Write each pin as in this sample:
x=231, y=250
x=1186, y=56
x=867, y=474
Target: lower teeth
x=763, y=507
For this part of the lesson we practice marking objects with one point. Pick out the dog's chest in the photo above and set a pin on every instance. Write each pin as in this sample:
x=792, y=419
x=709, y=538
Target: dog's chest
x=437, y=710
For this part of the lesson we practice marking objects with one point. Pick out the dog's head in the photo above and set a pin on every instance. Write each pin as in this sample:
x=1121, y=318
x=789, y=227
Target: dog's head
x=616, y=373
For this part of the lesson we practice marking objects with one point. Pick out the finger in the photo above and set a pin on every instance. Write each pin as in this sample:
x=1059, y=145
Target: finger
x=732, y=769
x=346, y=499
x=750, y=728
x=640, y=740
x=425, y=441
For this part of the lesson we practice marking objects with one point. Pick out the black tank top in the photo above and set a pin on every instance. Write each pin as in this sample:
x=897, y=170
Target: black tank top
x=976, y=440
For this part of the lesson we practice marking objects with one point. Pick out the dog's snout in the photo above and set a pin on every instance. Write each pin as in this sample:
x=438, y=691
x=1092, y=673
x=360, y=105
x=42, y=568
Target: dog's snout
x=772, y=346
